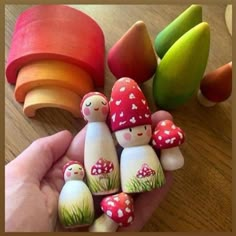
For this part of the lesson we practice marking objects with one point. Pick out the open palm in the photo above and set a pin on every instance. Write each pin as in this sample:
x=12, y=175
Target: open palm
x=33, y=182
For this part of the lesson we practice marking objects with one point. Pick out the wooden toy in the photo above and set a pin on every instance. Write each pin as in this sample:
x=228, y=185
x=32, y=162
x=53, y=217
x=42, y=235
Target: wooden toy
x=52, y=72
x=75, y=205
x=180, y=71
x=228, y=18
x=50, y=83
x=51, y=96
x=130, y=120
x=118, y=211
x=216, y=86
x=100, y=157
x=168, y=137
x=55, y=36
x=133, y=55
x=179, y=26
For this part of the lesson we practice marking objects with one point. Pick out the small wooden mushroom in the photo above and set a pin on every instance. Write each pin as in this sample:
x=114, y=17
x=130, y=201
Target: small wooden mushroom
x=100, y=157
x=168, y=137
x=118, y=211
x=216, y=86
x=75, y=205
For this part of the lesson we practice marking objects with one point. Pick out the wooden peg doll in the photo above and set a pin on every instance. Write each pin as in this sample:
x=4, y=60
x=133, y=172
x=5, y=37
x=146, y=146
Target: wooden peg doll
x=75, y=206
x=130, y=119
x=100, y=157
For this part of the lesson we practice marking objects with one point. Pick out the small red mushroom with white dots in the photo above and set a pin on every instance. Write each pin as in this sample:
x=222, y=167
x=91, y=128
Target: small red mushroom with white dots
x=102, y=167
x=168, y=137
x=145, y=171
x=118, y=211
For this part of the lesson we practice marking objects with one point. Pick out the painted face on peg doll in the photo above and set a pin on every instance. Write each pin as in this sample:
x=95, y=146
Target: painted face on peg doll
x=130, y=116
x=73, y=171
x=136, y=136
x=94, y=107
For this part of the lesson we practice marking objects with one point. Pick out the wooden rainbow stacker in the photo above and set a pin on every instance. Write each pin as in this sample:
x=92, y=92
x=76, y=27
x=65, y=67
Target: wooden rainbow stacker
x=56, y=57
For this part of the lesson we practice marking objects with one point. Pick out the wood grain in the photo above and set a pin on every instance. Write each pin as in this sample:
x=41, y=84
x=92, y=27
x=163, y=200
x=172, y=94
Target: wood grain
x=200, y=199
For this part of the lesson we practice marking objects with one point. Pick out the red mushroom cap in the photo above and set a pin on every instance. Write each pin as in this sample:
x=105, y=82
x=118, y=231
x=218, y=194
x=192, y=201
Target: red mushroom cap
x=119, y=208
x=128, y=105
x=145, y=171
x=167, y=135
x=102, y=166
x=71, y=163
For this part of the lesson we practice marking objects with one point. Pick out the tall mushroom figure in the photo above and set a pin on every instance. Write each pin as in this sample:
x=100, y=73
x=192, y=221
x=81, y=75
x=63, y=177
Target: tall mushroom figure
x=130, y=120
x=75, y=204
x=100, y=155
x=118, y=211
x=168, y=137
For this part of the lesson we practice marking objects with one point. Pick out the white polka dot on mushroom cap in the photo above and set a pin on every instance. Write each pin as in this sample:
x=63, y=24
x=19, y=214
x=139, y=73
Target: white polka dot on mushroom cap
x=120, y=213
x=127, y=201
x=130, y=219
x=109, y=213
x=127, y=209
x=116, y=199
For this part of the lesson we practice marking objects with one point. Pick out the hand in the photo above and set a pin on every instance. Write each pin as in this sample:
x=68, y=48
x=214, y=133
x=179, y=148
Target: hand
x=34, y=179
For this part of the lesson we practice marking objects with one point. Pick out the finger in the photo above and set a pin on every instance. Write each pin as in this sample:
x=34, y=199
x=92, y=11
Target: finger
x=39, y=157
x=76, y=148
x=159, y=116
x=146, y=203
x=74, y=152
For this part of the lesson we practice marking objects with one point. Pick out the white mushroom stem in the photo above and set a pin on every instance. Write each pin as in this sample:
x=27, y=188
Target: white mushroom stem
x=171, y=159
x=203, y=100
x=103, y=224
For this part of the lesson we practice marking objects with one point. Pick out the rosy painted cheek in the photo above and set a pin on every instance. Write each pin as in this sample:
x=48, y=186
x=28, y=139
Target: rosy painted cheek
x=127, y=136
x=104, y=110
x=149, y=132
x=81, y=173
x=68, y=174
x=86, y=111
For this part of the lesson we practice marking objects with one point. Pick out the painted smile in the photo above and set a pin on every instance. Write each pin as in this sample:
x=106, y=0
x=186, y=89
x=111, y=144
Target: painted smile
x=76, y=173
x=96, y=109
x=139, y=134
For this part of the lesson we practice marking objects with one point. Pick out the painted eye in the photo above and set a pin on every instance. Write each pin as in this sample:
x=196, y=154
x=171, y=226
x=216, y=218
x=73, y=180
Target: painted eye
x=80, y=168
x=145, y=127
x=70, y=168
x=104, y=103
x=88, y=104
x=130, y=130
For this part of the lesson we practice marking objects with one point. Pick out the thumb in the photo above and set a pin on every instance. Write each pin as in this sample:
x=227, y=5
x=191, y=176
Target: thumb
x=38, y=158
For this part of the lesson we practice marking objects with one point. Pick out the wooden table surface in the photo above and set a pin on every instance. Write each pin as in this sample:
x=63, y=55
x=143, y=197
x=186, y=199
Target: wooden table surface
x=200, y=199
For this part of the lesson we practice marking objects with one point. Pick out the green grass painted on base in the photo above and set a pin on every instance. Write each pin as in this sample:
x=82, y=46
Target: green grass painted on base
x=104, y=183
x=75, y=215
x=146, y=184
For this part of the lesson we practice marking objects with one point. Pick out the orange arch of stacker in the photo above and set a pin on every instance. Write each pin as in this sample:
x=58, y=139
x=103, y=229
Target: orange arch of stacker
x=51, y=96
x=52, y=72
